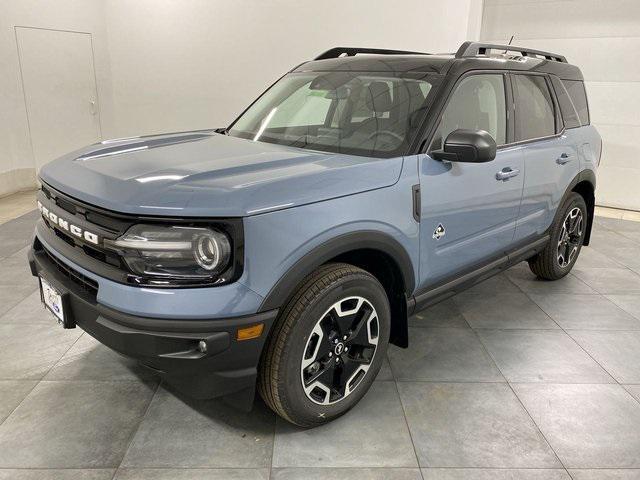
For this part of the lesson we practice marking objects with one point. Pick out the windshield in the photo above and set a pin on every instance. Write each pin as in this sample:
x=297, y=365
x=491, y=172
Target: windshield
x=359, y=113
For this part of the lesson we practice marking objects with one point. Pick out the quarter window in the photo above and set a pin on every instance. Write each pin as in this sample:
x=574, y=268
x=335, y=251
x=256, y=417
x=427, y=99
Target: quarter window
x=569, y=114
x=534, y=114
x=478, y=103
x=579, y=99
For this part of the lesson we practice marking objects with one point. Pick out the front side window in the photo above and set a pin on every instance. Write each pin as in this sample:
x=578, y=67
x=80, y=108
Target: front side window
x=534, y=114
x=478, y=103
x=359, y=113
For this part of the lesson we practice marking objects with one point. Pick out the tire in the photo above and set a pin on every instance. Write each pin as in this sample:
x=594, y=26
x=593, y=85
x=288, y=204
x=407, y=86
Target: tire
x=307, y=339
x=560, y=255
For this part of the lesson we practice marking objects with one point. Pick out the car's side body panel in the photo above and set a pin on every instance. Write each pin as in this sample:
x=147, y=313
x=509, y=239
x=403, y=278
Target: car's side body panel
x=285, y=237
x=477, y=211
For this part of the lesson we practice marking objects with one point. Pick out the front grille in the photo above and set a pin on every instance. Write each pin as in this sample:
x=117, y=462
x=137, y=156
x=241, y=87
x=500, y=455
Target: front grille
x=87, y=284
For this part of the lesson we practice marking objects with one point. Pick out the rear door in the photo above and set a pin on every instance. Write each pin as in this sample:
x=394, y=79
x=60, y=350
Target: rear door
x=468, y=212
x=550, y=153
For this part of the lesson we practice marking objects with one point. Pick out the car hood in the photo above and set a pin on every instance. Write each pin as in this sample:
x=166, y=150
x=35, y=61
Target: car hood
x=205, y=174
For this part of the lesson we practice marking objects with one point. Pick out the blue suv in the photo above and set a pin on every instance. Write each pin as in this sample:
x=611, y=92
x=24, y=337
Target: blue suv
x=286, y=251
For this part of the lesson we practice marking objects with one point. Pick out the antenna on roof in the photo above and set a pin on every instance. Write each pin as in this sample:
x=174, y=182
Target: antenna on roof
x=510, y=40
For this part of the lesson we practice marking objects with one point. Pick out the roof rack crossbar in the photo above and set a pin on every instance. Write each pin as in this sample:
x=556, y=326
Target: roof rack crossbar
x=473, y=49
x=351, y=51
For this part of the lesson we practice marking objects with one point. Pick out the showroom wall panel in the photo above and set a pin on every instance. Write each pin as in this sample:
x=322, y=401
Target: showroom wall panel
x=180, y=65
x=603, y=38
x=17, y=164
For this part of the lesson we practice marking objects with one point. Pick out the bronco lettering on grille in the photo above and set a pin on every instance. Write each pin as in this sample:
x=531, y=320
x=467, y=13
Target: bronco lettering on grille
x=66, y=225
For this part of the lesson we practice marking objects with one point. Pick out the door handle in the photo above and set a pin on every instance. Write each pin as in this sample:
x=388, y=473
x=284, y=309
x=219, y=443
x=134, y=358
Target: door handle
x=506, y=173
x=564, y=158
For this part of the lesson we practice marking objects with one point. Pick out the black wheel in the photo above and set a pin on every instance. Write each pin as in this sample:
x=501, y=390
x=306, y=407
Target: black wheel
x=326, y=347
x=567, y=236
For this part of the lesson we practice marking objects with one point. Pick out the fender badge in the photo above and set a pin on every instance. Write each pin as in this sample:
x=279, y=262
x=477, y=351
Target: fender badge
x=439, y=232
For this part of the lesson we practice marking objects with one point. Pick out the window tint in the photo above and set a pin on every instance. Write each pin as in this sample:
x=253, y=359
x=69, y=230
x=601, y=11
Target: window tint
x=478, y=103
x=579, y=99
x=569, y=114
x=534, y=115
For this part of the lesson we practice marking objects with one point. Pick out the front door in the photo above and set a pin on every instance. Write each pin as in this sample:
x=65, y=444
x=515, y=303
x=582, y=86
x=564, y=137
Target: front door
x=469, y=210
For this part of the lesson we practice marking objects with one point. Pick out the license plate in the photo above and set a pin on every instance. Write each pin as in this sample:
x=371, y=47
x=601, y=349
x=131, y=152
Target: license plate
x=52, y=300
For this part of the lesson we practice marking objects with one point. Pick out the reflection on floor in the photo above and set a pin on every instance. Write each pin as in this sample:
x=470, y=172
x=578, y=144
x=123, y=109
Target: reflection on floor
x=514, y=379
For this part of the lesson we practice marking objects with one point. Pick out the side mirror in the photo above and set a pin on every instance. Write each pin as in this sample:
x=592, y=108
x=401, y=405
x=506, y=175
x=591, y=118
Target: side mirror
x=472, y=146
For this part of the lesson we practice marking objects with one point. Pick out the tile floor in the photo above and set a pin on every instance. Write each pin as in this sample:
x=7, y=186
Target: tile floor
x=514, y=379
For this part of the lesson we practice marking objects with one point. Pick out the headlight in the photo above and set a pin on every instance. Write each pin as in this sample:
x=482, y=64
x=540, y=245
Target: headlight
x=174, y=254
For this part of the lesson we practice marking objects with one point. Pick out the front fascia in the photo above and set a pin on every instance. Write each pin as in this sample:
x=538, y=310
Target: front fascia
x=234, y=299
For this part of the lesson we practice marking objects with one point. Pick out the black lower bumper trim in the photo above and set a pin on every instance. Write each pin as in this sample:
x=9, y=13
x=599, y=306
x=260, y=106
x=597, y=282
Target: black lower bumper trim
x=169, y=347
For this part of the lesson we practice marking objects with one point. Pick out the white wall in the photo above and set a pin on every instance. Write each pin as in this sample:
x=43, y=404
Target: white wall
x=167, y=65
x=603, y=39
x=187, y=64
x=17, y=170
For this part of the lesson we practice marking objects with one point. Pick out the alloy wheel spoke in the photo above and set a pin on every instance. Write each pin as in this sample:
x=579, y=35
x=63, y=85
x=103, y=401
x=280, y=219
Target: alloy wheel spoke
x=339, y=350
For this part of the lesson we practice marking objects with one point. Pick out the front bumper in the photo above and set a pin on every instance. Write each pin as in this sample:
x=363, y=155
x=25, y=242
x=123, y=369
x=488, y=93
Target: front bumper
x=169, y=347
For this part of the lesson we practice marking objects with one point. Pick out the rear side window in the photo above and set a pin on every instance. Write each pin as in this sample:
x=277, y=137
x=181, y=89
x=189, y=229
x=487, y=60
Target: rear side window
x=534, y=115
x=575, y=88
x=569, y=113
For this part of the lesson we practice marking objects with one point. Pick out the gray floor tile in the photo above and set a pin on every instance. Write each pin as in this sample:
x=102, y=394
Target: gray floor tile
x=634, y=390
x=192, y=474
x=605, y=474
x=87, y=359
x=29, y=351
x=628, y=257
x=385, y=374
x=508, y=311
x=97, y=474
x=588, y=426
x=12, y=392
x=522, y=276
x=12, y=296
x=493, y=474
x=629, y=303
x=29, y=310
x=443, y=354
x=610, y=280
x=346, y=474
x=590, y=258
x=15, y=270
x=605, y=240
x=17, y=233
x=617, y=224
x=373, y=434
x=443, y=314
x=472, y=425
x=181, y=432
x=497, y=284
x=585, y=312
x=73, y=425
x=541, y=356
x=617, y=352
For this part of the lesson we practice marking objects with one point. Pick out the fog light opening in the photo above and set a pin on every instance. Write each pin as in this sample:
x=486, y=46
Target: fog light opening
x=202, y=346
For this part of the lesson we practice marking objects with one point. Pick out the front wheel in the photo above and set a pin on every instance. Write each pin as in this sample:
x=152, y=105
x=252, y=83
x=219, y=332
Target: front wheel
x=567, y=236
x=327, y=346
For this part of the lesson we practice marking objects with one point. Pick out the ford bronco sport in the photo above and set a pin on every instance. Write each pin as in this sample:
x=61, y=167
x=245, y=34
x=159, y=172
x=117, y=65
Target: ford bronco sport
x=287, y=250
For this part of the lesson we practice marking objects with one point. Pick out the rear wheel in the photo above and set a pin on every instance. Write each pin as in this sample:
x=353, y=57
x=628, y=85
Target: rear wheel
x=567, y=236
x=326, y=347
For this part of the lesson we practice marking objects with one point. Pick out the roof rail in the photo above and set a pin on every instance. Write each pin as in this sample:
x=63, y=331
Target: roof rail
x=473, y=49
x=351, y=51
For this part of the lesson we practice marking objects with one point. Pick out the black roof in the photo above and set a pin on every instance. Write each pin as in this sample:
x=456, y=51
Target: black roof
x=470, y=56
